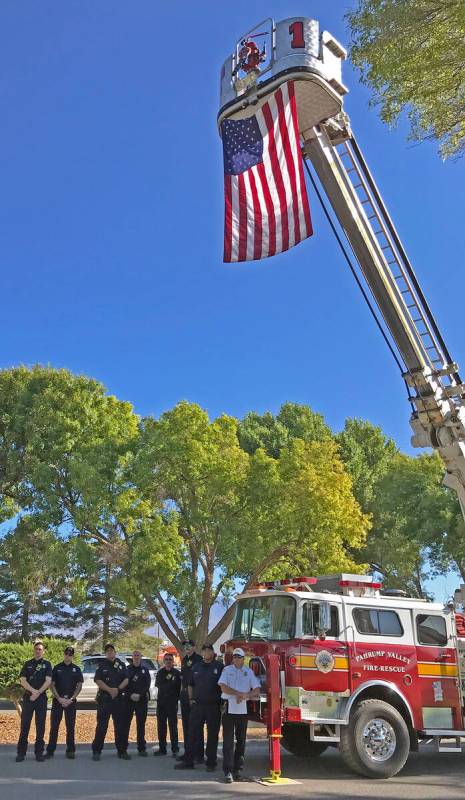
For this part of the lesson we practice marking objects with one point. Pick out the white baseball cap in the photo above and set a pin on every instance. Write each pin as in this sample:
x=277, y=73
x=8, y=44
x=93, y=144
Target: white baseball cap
x=238, y=651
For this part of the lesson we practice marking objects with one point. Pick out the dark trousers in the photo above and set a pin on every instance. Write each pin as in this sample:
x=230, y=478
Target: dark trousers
x=116, y=710
x=209, y=715
x=167, y=712
x=234, y=727
x=140, y=710
x=70, y=722
x=185, y=715
x=39, y=708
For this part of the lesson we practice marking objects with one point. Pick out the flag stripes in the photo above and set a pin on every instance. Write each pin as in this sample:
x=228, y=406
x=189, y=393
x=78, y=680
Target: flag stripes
x=266, y=205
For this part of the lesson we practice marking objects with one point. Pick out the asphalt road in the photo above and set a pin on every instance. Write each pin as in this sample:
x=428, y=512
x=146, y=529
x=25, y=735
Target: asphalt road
x=427, y=776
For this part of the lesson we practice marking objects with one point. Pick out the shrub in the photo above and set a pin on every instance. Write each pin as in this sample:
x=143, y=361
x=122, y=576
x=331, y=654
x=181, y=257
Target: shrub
x=12, y=657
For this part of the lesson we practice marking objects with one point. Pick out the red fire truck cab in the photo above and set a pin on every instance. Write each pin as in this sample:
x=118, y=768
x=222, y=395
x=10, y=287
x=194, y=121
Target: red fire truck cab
x=372, y=672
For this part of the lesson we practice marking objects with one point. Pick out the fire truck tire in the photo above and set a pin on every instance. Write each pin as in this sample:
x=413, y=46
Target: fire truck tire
x=296, y=740
x=376, y=741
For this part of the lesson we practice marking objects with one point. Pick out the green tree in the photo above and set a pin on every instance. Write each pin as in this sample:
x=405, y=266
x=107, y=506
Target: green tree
x=411, y=53
x=241, y=516
x=67, y=451
x=34, y=592
x=273, y=433
x=138, y=638
x=102, y=611
x=366, y=453
x=414, y=518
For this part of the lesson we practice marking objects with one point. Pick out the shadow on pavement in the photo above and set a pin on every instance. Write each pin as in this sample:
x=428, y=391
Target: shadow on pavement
x=427, y=776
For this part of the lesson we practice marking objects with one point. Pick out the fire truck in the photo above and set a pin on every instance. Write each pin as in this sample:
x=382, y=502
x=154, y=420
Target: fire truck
x=342, y=662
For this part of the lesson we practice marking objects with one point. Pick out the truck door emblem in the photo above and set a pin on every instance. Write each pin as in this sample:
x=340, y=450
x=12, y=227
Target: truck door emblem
x=324, y=661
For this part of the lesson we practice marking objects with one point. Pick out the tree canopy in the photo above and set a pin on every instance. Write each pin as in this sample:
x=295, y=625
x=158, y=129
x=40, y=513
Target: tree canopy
x=411, y=53
x=272, y=433
x=240, y=516
x=120, y=522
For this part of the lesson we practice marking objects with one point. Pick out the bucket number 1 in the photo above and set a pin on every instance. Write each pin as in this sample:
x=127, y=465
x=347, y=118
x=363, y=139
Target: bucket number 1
x=297, y=32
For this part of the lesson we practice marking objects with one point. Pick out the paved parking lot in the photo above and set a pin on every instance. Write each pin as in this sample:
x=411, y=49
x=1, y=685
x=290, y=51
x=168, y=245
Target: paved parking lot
x=427, y=776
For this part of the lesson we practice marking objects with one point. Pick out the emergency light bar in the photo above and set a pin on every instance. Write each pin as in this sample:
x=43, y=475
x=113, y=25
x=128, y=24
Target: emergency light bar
x=360, y=586
x=294, y=582
x=343, y=583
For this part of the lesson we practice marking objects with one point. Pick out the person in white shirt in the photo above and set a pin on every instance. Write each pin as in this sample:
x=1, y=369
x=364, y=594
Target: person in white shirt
x=238, y=684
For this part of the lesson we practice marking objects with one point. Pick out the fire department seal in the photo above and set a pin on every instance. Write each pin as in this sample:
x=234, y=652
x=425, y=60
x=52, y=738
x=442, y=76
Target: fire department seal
x=324, y=661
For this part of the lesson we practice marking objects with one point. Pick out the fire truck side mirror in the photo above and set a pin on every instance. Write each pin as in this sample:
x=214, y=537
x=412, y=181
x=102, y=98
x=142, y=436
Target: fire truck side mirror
x=324, y=618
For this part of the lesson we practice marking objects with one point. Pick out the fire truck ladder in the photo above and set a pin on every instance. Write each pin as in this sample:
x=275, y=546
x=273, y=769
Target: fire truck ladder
x=437, y=393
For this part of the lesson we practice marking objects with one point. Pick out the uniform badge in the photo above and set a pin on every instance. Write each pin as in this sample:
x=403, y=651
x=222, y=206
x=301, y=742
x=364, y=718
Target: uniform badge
x=215, y=672
x=169, y=676
x=189, y=663
x=324, y=661
x=74, y=669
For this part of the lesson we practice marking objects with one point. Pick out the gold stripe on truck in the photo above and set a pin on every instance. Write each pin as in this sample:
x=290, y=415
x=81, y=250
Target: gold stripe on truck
x=308, y=662
x=427, y=670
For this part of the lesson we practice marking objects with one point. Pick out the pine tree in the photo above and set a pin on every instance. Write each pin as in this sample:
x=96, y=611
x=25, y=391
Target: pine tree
x=34, y=594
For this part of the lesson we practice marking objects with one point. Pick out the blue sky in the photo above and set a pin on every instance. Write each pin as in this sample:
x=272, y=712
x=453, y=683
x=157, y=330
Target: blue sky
x=111, y=216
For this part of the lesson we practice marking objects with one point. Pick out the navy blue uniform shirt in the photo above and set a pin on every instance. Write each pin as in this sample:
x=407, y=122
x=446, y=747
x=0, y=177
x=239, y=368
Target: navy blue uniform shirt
x=139, y=682
x=111, y=673
x=35, y=672
x=169, y=685
x=66, y=677
x=187, y=665
x=204, y=681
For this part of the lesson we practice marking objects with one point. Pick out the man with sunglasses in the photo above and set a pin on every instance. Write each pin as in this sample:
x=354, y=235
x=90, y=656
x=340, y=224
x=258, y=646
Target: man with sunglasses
x=111, y=678
x=238, y=684
x=168, y=681
x=205, y=699
x=191, y=658
x=67, y=682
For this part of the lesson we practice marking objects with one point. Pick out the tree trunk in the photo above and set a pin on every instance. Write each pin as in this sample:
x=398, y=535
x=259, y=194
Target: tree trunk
x=25, y=620
x=201, y=632
x=106, y=608
x=221, y=626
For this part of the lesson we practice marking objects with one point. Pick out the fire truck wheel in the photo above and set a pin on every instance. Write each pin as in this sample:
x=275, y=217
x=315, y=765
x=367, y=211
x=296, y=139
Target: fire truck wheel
x=376, y=741
x=296, y=740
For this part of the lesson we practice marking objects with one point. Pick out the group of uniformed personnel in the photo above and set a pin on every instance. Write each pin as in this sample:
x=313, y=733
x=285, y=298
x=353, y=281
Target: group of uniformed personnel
x=208, y=692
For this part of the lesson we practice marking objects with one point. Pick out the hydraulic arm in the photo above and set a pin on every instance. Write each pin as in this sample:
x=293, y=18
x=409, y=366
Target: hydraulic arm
x=312, y=59
x=436, y=390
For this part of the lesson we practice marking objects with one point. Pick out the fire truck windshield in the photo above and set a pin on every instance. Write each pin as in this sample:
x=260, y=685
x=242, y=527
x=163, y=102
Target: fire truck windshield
x=271, y=617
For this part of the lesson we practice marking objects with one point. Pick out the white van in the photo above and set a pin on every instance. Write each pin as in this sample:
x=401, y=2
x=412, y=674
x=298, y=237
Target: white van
x=90, y=663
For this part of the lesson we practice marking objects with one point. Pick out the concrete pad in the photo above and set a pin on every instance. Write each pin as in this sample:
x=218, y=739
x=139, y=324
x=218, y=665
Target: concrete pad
x=427, y=776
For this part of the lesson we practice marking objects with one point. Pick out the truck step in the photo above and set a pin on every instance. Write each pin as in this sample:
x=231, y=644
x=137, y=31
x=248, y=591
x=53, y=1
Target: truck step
x=436, y=737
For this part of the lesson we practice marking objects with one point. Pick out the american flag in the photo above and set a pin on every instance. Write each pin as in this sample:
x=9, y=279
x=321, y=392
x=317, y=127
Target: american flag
x=266, y=203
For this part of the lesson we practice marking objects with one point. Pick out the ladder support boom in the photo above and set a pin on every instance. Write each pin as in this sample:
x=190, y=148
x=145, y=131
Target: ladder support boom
x=437, y=392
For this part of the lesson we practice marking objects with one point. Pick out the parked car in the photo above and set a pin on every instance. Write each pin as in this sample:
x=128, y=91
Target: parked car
x=90, y=663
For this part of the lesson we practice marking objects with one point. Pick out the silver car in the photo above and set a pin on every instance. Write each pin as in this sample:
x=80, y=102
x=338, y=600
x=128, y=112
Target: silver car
x=90, y=663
